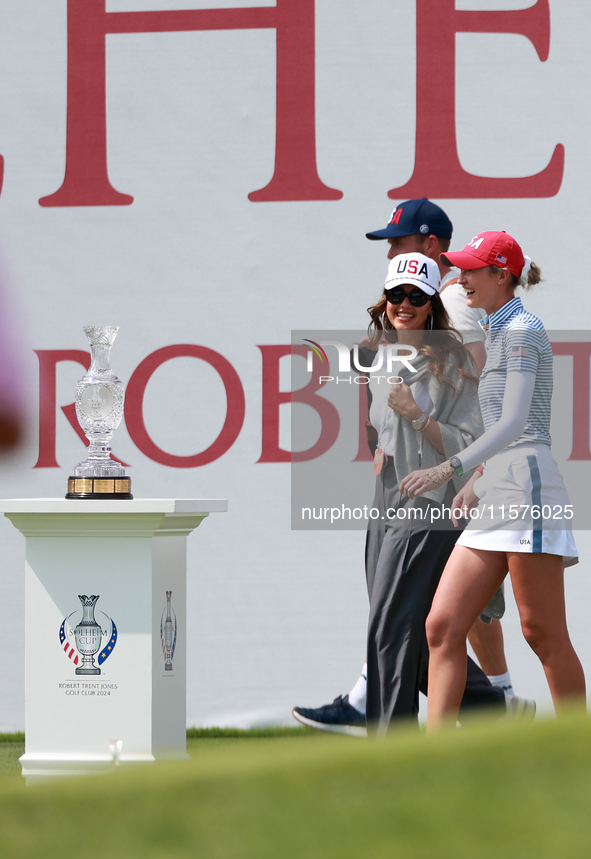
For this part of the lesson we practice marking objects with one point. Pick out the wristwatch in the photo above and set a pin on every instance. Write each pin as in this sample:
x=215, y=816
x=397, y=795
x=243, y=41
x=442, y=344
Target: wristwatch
x=455, y=463
x=419, y=423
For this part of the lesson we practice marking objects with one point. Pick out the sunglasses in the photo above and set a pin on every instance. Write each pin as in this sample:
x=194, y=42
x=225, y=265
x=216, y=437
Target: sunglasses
x=417, y=297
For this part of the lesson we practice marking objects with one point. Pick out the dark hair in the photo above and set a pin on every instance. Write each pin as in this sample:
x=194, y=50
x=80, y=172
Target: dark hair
x=446, y=341
x=534, y=276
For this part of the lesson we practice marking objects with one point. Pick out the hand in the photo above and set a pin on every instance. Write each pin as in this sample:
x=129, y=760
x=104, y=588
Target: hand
x=401, y=400
x=426, y=479
x=466, y=499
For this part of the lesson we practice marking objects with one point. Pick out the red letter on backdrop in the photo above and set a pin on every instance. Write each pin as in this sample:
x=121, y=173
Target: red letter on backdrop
x=273, y=398
x=581, y=353
x=134, y=401
x=86, y=182
x=438, y=172
x=48, y=359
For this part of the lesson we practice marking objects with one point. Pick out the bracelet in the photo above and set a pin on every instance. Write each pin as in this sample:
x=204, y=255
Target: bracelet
x=426, y=424
x=421, y=422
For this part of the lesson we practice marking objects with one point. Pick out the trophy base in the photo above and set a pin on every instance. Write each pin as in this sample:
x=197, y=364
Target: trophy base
x=85, y=671
x=99, y=487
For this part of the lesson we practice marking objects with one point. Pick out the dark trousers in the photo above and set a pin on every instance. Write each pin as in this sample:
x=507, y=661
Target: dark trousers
x=403, y=567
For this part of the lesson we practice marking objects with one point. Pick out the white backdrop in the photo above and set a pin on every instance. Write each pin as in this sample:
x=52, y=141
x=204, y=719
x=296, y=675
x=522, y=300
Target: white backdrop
x=276, y=617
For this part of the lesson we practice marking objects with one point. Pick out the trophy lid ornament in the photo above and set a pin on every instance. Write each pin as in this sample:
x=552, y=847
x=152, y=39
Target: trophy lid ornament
x=100, y=399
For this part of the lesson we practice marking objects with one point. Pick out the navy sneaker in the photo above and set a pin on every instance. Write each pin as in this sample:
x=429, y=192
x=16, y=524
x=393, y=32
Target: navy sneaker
x=340, y=717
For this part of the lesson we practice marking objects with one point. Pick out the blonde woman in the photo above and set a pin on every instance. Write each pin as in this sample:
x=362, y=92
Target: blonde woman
x=519, y=474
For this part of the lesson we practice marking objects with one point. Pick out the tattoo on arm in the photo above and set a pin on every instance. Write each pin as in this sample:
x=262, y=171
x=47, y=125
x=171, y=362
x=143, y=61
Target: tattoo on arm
x=441, y=473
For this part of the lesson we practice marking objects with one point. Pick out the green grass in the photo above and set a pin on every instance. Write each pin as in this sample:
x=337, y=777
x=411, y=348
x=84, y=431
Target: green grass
x=12, y=746
x=9, y=755
x=16, y=737
x=250, y=734
x=509, y=790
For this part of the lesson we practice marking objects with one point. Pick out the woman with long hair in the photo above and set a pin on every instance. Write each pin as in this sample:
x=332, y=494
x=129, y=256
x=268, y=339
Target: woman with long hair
x=518, y=485
x=421, y=417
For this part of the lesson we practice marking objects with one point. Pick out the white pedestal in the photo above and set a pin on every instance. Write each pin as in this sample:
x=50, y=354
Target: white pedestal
x=129, y=554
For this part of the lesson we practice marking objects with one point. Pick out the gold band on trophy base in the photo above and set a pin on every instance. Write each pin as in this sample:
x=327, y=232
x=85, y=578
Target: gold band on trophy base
x=99, y=487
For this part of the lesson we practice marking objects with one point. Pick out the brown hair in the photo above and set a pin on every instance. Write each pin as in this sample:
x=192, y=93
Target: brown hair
x=446, y=341
x=534, y=276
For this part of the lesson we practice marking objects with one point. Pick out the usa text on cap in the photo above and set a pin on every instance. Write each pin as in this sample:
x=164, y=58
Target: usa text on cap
x=416, y=270
x=489, y=248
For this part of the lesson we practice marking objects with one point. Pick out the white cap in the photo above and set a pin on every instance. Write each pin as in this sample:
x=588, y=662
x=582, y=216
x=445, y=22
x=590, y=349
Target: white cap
x=416, y=270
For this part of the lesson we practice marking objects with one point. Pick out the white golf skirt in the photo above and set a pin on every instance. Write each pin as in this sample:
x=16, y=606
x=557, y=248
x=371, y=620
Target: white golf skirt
x=523, y=506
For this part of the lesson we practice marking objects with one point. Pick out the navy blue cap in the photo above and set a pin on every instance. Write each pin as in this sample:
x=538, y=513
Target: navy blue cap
x=416, y=216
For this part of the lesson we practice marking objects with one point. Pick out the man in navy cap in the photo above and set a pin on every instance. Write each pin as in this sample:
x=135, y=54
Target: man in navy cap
x=420, y=225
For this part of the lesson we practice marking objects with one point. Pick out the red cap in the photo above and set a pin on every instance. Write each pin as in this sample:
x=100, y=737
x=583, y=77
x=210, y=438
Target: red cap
x=490, y=248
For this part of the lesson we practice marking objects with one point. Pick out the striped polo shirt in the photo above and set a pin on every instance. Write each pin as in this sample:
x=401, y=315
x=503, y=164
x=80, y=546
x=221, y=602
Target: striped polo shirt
x=517, y=341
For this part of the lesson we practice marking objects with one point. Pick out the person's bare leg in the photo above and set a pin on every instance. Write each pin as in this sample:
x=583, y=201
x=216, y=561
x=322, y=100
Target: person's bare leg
x=487, y=643
x=538, y=586
x=470, y=579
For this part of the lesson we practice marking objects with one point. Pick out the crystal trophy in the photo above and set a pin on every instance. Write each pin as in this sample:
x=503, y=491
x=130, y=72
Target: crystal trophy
x=100, y=396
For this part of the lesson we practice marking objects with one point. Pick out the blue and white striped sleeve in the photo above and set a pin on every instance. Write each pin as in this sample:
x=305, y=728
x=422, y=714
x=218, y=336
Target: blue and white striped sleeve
x=523, y=349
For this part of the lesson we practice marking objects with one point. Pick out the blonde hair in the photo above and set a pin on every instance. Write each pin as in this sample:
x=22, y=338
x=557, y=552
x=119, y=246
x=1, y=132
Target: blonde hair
x=534, y=276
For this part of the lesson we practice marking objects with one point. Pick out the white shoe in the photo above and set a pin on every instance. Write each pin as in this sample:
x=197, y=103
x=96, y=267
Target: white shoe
x=521, y=708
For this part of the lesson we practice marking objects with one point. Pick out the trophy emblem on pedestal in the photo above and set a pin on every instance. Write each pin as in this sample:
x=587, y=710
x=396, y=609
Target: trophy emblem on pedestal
x=100, y=397
x=81, y=637
x=88, y=635
x=168, y=629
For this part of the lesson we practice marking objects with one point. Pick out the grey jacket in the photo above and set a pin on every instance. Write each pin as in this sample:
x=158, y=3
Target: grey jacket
x=455, y=409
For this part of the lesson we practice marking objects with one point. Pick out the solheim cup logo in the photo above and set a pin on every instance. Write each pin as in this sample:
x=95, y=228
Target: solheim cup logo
x=82, y=640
